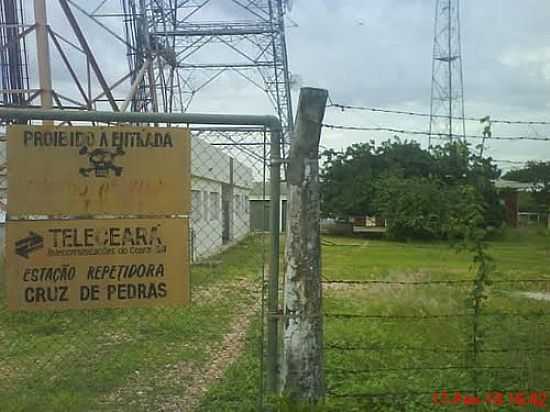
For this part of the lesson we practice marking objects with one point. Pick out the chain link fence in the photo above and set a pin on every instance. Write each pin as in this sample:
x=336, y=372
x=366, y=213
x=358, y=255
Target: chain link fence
x=162, y=358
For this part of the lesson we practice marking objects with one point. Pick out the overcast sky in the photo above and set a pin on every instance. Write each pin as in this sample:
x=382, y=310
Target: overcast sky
x=379, y=53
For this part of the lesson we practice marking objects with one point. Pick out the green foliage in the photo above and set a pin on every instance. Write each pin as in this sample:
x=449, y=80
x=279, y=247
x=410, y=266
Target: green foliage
x=429, y=208
x=468, y=226
x=415, y=190
x=284, y=404
x=349, y=178
x=413, y=207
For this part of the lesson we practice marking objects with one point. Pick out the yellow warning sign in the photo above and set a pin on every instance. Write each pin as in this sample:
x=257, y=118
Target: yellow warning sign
x=85, y=264
x=84, y=171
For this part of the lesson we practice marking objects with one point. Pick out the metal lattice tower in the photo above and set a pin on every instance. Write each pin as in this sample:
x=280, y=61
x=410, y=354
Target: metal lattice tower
x=174, y=52
x=447, y=94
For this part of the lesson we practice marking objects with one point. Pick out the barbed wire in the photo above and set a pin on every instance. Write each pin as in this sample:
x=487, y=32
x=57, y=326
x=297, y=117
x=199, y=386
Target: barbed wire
x=350, y=316
x=430, y=282
x=421, y=368
x=440, y=136
x=367, y=395
x=339, y=347
x=419, y=114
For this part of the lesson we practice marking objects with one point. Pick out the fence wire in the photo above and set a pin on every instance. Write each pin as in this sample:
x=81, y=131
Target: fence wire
x=163, y=358
x=399, y=345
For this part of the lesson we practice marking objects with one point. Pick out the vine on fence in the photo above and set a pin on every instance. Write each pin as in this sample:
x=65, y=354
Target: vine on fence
x=469, y=233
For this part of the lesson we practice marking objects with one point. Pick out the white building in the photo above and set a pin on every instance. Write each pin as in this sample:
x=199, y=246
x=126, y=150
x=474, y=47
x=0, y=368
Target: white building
x=220, y=189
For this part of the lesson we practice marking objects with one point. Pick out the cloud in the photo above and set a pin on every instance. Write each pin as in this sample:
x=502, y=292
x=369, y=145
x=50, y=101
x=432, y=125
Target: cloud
x=533, y=62
x=374, y=53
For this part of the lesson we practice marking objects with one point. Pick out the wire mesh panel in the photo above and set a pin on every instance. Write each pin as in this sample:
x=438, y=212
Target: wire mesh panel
x=166, y=357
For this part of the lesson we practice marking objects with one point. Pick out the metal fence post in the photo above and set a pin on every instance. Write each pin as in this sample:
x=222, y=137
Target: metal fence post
x=272, y=356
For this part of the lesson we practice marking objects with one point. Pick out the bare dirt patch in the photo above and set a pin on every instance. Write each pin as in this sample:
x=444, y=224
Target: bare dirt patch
x=193, y=377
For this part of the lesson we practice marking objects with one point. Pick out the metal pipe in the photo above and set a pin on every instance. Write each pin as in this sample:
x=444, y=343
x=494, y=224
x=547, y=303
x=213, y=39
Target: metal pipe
x=269, y=121
x=214, y=32
x=43, y=54
x=272, y=358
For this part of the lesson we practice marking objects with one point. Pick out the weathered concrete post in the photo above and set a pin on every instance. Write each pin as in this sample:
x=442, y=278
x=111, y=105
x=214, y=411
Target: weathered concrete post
x=302, y=366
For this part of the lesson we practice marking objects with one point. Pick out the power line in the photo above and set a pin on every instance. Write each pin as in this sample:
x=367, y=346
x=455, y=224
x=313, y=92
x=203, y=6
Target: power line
x=418, y=114
x=443, y=136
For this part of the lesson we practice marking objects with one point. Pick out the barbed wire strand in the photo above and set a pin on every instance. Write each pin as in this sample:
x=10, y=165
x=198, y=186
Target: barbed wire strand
x=440, y=136
x=430, y=282
x=350, y=316
x=419, y=114
x=339, y=347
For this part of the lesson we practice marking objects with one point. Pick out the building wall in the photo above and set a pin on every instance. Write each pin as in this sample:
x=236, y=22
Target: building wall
x=206, y=221
x=242, y=186
x=215, y=178
x=208, y=162
x=241, y=212
x=510, y=200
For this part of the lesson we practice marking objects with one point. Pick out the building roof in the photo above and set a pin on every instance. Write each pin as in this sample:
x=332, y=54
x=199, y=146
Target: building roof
x=513, y=185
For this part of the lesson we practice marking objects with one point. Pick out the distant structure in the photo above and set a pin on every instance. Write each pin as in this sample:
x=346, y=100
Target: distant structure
x=447, y=94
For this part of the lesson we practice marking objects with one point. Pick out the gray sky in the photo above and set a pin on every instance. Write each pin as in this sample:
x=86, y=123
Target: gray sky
x=378, y=53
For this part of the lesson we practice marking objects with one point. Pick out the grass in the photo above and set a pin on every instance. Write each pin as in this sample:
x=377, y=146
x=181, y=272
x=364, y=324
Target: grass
x=117, y=359
x=408, y=354
x=239, y=390
x=522, y=252
x=392, y=355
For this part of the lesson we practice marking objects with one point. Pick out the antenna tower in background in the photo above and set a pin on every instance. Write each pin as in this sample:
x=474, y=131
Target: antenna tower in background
x=447, y=94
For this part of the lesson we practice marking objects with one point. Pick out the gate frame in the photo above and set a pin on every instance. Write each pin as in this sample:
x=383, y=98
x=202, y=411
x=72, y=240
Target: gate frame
x=270, y=122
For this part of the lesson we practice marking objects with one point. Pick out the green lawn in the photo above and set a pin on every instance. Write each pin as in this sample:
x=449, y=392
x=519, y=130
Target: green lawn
x=391, y=354
x=388, y=346
x=126, y=360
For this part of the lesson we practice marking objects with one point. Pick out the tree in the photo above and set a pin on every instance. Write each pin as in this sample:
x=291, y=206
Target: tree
x=409, y=186
x=427, y=208
x=349, y=178
x=456, y=164
x=414, y=207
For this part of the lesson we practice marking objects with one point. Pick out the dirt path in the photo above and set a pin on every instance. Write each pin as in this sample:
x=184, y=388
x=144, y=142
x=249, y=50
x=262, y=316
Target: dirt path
x=536, y=295
x=192, y=377
x=221, y=356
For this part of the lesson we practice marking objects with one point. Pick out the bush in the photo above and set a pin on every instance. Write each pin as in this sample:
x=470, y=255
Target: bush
x=425, y=208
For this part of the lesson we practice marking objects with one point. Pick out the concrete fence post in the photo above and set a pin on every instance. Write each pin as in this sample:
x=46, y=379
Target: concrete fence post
x=302, y=364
